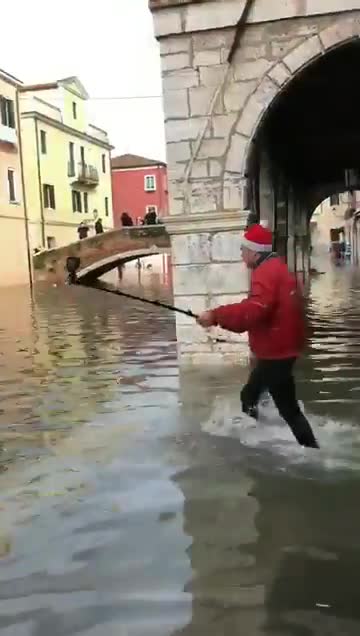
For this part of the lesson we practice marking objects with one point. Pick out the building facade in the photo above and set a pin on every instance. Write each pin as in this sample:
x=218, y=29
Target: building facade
x=139, y=185
x=331, y=214
x=249, y=119
x=14, y=248
x=67, y=172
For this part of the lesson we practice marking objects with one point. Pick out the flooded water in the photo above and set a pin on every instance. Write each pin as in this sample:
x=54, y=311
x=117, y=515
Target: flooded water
x=136, y=501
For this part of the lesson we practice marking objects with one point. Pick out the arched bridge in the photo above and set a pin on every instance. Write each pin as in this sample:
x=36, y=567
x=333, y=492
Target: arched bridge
x=101, y=253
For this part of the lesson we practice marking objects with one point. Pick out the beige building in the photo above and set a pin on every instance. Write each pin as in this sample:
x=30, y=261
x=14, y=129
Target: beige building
x=66, y=163
x=14, y=254
x=330, y=214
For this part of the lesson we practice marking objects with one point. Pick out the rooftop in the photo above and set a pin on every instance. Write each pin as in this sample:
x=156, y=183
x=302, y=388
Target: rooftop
x=9, y=78
x=161, y=4
x=134, y=161
x=70, y=83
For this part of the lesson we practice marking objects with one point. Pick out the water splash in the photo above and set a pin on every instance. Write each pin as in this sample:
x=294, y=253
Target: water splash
x=339, y=441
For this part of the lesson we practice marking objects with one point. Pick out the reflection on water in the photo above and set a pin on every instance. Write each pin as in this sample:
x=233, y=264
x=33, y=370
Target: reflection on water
x=136, y=501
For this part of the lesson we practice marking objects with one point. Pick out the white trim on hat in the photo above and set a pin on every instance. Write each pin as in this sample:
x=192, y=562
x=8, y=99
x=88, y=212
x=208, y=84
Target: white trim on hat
x=256, y=247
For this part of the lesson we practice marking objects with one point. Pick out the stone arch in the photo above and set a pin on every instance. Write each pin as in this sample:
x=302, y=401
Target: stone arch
x=101, y=251
x=273, y=84
x=103, y=266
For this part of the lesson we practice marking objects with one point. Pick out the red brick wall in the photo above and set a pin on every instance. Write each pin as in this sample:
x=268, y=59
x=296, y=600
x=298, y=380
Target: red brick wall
x=129, y=193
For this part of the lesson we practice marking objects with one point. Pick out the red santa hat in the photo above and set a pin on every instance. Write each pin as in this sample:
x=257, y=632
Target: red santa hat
x=258, y=239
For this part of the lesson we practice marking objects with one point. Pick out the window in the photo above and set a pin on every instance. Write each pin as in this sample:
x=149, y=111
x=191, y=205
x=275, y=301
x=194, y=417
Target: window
x=76, y=201
x=151, y=208
x=335, y=199
x=150, y=183
x=106, y=206
x=103, y=160
x=7, y=112
x=71, y=170
x=71, y=152
x=49, y=196
x=11, y=185
x=74, y=110
x=43, y=142
x=86, y=202
x=82, y=155
x=51, y=242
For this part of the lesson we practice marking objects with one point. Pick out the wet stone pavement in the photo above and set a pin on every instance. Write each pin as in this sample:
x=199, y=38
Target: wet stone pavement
x=136, y=501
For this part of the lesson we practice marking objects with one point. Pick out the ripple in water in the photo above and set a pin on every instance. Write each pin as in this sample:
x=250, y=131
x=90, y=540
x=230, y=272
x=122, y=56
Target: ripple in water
x=139, y=502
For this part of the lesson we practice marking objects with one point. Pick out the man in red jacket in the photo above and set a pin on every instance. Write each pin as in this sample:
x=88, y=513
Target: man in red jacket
x=273, y=316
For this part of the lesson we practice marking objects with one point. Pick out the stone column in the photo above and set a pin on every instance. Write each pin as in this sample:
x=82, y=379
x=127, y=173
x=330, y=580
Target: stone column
x=207, y=185
x=207, y=272
x=302, y=243
x=291, y=243
x=266, y=191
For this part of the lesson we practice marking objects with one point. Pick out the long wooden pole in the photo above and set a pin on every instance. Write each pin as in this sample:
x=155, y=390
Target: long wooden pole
x=157, y=303
x=72, y=266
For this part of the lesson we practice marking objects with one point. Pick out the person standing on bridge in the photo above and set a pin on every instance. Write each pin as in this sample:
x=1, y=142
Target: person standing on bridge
x=83, y=230
x=150, y=217
x=99, y=227
x=126, y=220
x=274, y=318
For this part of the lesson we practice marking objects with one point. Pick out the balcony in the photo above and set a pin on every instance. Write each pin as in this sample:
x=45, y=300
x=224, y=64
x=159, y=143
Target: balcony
x=83, y=174
x=8, y=135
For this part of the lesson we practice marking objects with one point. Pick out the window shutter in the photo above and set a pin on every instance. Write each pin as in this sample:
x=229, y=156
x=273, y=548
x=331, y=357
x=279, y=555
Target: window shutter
x=3, y=110
x=86, y=204
x=11, y=113
x=52, y=197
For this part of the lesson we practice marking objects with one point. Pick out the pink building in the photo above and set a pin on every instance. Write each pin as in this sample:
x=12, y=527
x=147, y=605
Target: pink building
x=139, y=186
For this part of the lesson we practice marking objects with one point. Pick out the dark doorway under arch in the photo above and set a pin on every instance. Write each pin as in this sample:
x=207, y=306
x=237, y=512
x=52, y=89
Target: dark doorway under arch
x=308, y=147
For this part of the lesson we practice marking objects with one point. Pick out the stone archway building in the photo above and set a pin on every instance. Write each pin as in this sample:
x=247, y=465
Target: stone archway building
x=226, y=65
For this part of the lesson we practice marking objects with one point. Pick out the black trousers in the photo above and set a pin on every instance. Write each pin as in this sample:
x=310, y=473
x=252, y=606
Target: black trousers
x=276, y=376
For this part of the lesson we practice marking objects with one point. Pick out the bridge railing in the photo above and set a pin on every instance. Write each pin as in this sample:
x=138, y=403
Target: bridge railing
x=138, y=231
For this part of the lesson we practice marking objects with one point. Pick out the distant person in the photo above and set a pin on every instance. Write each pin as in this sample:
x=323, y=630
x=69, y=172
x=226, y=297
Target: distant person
x=342, y=249
x=251, y=220
x=150, y=218
x=99, y=227
x=120, y=269
x=83, y=230
x=126, y=220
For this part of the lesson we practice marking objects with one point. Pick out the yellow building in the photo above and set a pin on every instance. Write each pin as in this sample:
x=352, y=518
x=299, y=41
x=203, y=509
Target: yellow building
x=66, y=163
x=14, y=254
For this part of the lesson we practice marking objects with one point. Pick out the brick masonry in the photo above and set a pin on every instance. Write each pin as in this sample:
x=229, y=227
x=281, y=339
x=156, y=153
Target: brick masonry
x=213, y=111
x=50, y=265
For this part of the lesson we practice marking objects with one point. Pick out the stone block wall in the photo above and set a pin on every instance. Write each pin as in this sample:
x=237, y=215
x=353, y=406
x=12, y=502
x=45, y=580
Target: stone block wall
x=207, y=273
x=213, y=111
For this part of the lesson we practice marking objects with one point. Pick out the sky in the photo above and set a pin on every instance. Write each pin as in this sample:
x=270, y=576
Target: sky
x=109, y=45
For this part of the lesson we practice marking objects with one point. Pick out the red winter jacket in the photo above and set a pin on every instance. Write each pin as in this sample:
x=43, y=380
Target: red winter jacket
x=272, y=313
